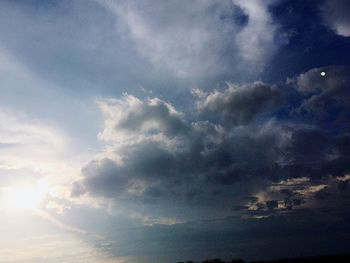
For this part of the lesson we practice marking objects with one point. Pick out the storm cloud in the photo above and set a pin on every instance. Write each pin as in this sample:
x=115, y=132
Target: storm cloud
x=232, y=147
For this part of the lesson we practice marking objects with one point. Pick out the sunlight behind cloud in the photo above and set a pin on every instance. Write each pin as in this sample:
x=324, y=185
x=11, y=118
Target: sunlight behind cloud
x=22, y=197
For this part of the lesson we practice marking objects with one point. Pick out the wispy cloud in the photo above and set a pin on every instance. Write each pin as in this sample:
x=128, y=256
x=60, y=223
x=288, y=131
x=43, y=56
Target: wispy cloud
x=200, y=39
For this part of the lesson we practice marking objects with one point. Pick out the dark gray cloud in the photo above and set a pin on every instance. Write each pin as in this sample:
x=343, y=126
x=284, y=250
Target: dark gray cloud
x=131, y=117
x=325, y=97
x=104, y=177
x=240, y=104
x=314, y=153
x=236, y=148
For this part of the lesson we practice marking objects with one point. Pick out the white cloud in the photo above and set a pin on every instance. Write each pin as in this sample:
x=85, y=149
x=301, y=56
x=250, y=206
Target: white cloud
x=29, y=144
x=34, y=145
x=198, y=39
x=256, y=40
x=33, y=152
x=336, y=15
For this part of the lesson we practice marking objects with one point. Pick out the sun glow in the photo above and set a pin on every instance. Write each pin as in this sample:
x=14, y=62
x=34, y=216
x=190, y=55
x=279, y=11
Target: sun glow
x=22, y=197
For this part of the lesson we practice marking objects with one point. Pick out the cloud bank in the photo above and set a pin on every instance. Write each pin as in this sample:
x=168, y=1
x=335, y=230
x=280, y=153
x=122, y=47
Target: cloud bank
x=246, y=149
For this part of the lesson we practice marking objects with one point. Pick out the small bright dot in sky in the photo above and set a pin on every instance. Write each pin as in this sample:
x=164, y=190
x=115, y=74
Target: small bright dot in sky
x=323, y=73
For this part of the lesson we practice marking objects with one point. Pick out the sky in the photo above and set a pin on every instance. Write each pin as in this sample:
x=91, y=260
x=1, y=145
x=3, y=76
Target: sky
x=160, y=131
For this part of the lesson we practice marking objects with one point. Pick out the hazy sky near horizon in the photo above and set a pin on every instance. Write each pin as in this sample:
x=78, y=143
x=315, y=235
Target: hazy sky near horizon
x=159, y=131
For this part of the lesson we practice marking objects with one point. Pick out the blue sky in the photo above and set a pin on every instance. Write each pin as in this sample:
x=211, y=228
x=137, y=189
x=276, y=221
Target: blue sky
x=160, y=131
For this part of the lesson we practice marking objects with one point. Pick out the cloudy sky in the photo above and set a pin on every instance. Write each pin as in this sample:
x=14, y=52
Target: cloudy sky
x=159, y=131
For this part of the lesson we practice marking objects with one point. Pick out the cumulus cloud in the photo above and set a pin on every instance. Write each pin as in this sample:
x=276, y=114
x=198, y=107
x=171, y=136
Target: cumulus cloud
x=230, y=149
x=159, y=157
x=130, y=117
x=244, y=161
x=336, y=16
x=240, y=104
